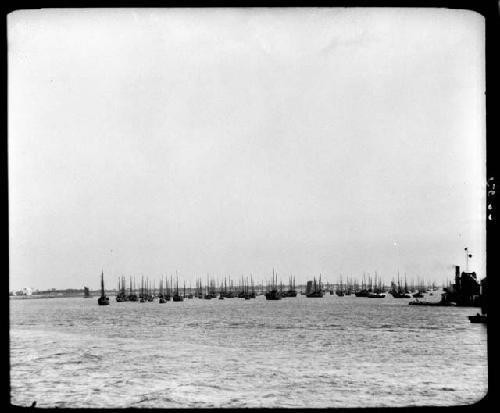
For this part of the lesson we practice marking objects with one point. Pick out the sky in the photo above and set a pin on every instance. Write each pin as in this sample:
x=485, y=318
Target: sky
x=229, y=142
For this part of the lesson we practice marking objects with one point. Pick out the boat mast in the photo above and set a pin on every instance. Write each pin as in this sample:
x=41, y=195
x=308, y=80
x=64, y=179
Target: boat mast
x=102, y=283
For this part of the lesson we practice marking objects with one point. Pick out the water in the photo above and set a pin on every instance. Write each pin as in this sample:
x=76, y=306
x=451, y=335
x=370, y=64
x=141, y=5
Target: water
x=297, y=352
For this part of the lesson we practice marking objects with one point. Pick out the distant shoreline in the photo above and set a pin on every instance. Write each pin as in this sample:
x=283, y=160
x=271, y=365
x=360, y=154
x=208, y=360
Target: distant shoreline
x=39, y=296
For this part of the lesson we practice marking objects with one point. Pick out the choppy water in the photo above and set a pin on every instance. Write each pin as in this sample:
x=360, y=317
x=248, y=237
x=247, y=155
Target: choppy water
x=298, y=352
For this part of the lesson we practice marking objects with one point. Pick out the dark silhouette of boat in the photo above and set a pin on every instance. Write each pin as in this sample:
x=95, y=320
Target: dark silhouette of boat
x=316, y=290
x=399, y=292
x=272, y=292
x=121, y=296
x=103, y=300
x=86, y=292
x=377, y=288
x=142, y=295
x=161, y=299
x=292, y=292
x=177, y=297
x=132, y=296
x=478, y=318
x=375, y=295
x=364, y=291
x=339, y=290
x=434, y=303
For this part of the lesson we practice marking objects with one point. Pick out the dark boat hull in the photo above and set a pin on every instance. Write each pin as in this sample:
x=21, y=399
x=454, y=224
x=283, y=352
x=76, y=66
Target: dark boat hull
x=437, y=304
x=103, y=301
x=314, y=295
x=273, y=296
x=478, y=318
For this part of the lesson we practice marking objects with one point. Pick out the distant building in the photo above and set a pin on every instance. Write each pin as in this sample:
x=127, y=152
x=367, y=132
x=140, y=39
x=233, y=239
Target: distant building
x=465, y=291
x=24, y=291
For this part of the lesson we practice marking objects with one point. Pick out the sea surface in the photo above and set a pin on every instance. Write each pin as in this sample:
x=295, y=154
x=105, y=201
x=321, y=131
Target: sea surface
x=298, y=352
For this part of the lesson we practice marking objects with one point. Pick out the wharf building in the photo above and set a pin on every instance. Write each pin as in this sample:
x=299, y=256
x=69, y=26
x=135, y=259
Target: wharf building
x=466, y=291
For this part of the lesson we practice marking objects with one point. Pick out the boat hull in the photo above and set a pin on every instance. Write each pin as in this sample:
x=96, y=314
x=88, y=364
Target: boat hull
x=315, y=295
x=103, y=301
x=478, y=318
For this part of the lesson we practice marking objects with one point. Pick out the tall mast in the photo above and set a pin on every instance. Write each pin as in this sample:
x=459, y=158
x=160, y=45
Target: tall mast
x=102, y=282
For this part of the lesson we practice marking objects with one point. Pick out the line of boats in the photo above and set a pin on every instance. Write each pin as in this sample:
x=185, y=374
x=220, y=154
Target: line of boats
x=246, y=288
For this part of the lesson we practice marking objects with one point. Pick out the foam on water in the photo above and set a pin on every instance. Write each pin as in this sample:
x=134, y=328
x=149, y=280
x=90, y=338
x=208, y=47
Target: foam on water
x=297, y=352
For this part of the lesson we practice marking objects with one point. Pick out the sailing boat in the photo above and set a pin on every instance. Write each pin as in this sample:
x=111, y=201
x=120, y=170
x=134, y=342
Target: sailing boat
x=177, y=296
x=142, y=298
x=132, y=295
x=377, y=289
x=207, y=295
x=161, y=300
x=363, y=292
x=317, y=291
x=103, y=300
x=399, y=292
x=273, y=293
x=340, y=288
x=292, y=292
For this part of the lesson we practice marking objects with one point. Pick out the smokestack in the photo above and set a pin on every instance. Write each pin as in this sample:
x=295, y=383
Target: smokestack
x=457, y=277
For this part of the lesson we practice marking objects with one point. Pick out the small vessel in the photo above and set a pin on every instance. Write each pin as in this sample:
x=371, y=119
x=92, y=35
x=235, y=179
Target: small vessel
x=435, y=303
x=378, y=289
x=363, y=292
x=142, y=295
x=339, y=291
x=292, y=292
x=177, y=297
x=399, y=292
x=86, y=293
x=169, y=288
x=375, y=295
x=161, y=300
x=132, y=296
x=103, y=300
x=273, y=293
x=316, y=290
x=478, y=318
x=121, y=296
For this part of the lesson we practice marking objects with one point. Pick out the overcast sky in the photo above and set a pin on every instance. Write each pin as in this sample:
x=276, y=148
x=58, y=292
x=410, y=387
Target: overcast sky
x=232, y=142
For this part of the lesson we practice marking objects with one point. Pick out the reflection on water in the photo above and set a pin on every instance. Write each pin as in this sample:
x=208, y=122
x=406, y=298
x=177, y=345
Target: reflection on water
x=297, y=352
